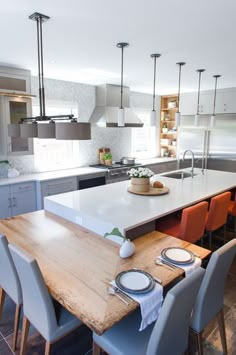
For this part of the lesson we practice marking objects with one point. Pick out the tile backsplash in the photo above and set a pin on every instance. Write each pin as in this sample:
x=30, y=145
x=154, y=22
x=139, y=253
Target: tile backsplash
x=84, y=96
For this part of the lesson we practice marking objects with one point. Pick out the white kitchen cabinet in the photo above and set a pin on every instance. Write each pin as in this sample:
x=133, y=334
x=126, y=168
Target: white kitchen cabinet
x=188, y=104
x=226, y=102
x=206, y=103
x=17, y=199
x=54, y=187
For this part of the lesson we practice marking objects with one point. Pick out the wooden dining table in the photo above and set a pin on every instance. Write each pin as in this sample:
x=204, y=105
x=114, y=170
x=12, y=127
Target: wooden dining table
x=78, y=265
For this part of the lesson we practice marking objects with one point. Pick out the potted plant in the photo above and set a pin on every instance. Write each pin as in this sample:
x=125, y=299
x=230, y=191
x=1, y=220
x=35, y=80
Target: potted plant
x=164, y=128
x=107, y=157
x=140, y=179
x=127, y=248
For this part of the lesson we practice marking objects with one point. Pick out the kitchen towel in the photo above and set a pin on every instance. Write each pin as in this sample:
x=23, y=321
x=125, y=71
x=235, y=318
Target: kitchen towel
x=188, y=268
x=150, y=304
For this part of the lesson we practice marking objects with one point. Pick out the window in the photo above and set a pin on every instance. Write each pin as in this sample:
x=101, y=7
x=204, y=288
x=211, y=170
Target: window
x=52, y=154
x=144, y=140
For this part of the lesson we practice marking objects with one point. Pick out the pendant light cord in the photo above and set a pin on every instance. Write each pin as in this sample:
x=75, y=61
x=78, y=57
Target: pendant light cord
x=179, y=86
x=198, y=97
x=180, y=65
x=121, y=83
x=214, y=105
x=154, y=85
x=200, y=71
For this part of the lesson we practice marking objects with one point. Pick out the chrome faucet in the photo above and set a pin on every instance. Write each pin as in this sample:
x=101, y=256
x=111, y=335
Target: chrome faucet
x=191, y=152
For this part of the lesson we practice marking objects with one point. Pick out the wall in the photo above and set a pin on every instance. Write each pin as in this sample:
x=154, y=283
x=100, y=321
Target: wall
x=117, y=139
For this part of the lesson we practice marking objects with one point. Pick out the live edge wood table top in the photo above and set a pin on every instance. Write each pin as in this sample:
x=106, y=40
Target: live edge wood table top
x=78, y=265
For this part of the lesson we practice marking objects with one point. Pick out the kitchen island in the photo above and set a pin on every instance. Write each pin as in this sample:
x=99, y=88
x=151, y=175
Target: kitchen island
x=105, y=207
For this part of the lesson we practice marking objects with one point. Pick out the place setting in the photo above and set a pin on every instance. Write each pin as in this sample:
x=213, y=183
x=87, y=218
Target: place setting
x=174, y=258
x=142, y=287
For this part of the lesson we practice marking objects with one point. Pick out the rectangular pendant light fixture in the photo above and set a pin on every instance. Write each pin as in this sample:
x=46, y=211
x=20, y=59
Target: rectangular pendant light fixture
x=73, y=130
x=29, y=130
x=45, y=126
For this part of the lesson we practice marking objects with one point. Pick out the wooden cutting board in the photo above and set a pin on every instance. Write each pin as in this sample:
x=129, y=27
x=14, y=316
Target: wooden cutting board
x=153, y=191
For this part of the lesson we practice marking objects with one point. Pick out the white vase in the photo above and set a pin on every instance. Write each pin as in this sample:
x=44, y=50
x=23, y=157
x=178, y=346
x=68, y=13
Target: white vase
x=127, y=249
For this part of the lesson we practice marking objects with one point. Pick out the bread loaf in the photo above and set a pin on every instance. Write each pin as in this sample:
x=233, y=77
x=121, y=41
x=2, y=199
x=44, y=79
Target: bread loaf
x=158, y=184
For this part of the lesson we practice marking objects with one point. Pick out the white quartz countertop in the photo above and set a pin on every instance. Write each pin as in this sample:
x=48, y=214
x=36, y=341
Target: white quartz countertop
x=51, y=175
x=102, y=208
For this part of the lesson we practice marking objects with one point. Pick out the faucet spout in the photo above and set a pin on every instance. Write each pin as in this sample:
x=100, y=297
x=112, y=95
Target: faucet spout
x=192, y=156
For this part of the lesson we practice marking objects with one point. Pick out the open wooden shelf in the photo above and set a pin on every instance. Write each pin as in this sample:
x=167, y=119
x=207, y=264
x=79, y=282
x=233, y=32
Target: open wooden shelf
x=168, y=121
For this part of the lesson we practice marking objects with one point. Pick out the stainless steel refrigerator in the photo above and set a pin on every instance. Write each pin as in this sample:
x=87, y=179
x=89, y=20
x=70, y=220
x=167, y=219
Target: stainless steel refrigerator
x=209, y=144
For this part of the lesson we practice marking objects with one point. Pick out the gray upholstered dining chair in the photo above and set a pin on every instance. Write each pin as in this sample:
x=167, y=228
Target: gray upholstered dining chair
x=9, y=284
x=210, y=299
x=168, y=335
x=38, y=307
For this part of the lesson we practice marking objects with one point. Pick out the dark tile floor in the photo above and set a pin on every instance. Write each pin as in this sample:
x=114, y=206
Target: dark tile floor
x=79, y=342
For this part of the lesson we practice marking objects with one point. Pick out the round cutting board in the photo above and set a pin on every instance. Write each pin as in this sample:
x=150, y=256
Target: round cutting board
x=153, y=191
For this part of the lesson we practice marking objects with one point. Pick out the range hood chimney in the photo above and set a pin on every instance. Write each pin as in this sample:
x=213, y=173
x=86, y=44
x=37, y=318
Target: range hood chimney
x=105, y=113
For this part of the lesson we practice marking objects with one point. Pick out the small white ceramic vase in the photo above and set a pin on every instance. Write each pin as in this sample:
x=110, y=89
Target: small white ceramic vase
x=127, y=249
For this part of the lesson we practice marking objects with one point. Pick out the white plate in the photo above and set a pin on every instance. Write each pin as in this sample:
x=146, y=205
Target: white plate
x=136, y=281
x=178, y=255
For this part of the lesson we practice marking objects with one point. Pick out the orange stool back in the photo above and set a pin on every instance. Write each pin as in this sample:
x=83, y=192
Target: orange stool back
x=192, y=225
x=217, y=214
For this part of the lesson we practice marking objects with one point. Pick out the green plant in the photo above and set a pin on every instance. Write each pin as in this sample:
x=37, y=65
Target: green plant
x=107, y=156
x=115, y=231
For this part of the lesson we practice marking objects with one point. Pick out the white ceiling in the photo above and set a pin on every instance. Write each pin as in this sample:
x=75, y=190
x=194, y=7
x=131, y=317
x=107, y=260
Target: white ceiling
x=80, y=41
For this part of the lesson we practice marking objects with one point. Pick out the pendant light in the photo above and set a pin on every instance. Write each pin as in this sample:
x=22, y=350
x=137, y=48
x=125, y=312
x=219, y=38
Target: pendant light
x=44, y=126
x=178, y=114
x=121, y=110
x=196, y=117
x=153, y=115
x=213, y=117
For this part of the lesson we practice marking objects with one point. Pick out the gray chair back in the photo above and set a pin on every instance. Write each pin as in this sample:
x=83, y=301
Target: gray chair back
x=37, y=302
x=172, y=327
x=210, y=298
x=9, y=279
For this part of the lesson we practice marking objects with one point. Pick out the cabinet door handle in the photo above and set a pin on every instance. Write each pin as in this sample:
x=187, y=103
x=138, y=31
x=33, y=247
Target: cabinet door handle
x=9, y=202
x=14, y=202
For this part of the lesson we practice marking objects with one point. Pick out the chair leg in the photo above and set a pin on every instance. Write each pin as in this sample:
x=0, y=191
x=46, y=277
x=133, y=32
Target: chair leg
x=96, y=349
x=47, y=348
x=16, y=326
x=224, y=233
x=235, y=226
x=2, y=299
x=199, y=343
x=221, y=323
x=210, y=237
x=25, y=331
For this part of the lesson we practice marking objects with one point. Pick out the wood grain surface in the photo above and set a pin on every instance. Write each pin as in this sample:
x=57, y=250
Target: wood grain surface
x=78, y=265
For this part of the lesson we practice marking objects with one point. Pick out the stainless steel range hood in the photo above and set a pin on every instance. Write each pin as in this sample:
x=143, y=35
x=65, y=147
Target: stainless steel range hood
x=105, y=113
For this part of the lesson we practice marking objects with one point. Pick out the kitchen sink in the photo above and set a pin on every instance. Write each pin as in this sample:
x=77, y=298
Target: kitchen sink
x=178, y=175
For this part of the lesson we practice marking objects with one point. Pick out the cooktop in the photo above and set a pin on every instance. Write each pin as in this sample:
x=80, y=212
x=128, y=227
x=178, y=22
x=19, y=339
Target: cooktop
x=114, y=166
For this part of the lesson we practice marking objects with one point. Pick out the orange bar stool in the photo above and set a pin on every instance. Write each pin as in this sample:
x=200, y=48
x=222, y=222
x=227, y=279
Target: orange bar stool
x=191, y=226
x=232, y=211
x=217, y=214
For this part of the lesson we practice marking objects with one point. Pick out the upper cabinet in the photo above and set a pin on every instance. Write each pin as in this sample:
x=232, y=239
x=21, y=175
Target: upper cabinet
x=15, y=103
x=225, y=102
x=188, y=103
x=13, y=80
